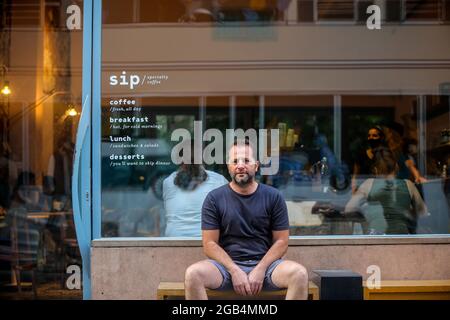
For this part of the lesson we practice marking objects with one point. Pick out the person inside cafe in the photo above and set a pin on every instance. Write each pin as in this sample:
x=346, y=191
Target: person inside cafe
x=183, y=193
x=400, y=146
x=390, y=205
x=379, y=138
x=245, y=230
x=363, y=164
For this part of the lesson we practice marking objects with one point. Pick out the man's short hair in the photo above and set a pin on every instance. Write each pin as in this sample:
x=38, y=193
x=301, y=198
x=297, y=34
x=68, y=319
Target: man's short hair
x=245, y=142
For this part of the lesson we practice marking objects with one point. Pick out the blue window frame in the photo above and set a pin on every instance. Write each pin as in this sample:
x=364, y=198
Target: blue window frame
x=87, y=165
x=85, y=216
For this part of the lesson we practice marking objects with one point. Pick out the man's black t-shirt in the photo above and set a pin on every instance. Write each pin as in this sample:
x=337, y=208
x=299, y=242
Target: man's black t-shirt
x=245, y=222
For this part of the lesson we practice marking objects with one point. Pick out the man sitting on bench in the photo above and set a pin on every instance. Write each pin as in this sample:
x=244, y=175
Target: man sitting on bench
x=245, y=231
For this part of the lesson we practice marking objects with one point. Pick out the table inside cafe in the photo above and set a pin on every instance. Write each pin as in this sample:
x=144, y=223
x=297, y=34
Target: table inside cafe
x=41, y=232
x=320, y=218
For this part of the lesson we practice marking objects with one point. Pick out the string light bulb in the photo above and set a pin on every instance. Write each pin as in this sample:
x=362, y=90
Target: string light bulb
x=6, y=91
x=71, y=112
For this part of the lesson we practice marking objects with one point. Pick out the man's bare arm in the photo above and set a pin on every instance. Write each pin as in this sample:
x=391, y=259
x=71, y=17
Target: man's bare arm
x=214, y=251
x=276, y=251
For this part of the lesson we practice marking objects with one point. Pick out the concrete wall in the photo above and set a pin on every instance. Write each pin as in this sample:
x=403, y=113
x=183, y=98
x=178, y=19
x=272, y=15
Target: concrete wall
x=137, y=45
x=407, y=59
x=132, y=269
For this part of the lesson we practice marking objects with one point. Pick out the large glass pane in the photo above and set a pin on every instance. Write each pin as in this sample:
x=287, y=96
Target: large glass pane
x=328, y=89
x=136, y=158
x=40, y=63
x=400, y=121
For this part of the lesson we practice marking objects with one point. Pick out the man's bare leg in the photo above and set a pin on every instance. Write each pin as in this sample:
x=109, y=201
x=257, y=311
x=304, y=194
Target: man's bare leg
x=198, y=277
x=294, y=277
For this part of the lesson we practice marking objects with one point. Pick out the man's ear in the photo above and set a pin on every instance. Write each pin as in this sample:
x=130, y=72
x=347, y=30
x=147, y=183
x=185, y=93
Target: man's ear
x=257, y=166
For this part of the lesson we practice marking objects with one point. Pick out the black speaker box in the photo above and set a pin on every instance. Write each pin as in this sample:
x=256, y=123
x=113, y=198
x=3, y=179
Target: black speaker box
x=338, y=284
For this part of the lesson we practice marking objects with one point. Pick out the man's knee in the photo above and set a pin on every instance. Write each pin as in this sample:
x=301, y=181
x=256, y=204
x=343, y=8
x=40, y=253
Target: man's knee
x=193, y=274
x=290, y=274
x=298, y=275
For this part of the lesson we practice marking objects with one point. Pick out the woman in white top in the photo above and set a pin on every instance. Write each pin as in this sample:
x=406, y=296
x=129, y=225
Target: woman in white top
x=183, y=193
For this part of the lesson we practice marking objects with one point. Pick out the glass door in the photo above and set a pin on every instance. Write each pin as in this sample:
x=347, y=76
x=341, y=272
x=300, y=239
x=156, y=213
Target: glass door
x=40, y=109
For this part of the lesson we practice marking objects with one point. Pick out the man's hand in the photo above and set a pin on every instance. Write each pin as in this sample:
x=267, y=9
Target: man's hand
x=256, y=279
x=240, y=281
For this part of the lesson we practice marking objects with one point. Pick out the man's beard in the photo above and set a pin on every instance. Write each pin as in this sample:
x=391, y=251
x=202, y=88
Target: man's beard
x=243, y=181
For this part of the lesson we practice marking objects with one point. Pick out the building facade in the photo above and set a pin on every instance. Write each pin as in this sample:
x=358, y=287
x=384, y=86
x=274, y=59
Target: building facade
x=99, y=89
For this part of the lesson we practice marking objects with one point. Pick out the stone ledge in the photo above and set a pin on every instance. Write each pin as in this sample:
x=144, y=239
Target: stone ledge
x=293, y=241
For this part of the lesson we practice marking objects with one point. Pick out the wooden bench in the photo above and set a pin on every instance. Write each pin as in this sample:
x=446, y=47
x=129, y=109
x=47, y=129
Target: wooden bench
x=409, y=290
x=175, y=290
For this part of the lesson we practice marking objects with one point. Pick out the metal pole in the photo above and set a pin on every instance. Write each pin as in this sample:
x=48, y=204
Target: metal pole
x=337, y=126
x=232, y=113
x=421, y=125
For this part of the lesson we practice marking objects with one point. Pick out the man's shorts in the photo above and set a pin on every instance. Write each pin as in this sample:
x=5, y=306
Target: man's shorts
x=246, y=266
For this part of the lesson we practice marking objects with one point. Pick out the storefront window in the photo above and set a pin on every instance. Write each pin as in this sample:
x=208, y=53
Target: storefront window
x=40, y=105
x=362, y=149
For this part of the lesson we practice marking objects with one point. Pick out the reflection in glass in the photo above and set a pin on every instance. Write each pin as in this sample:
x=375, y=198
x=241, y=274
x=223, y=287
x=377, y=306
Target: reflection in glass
x=40, y=104
x=315, y=74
